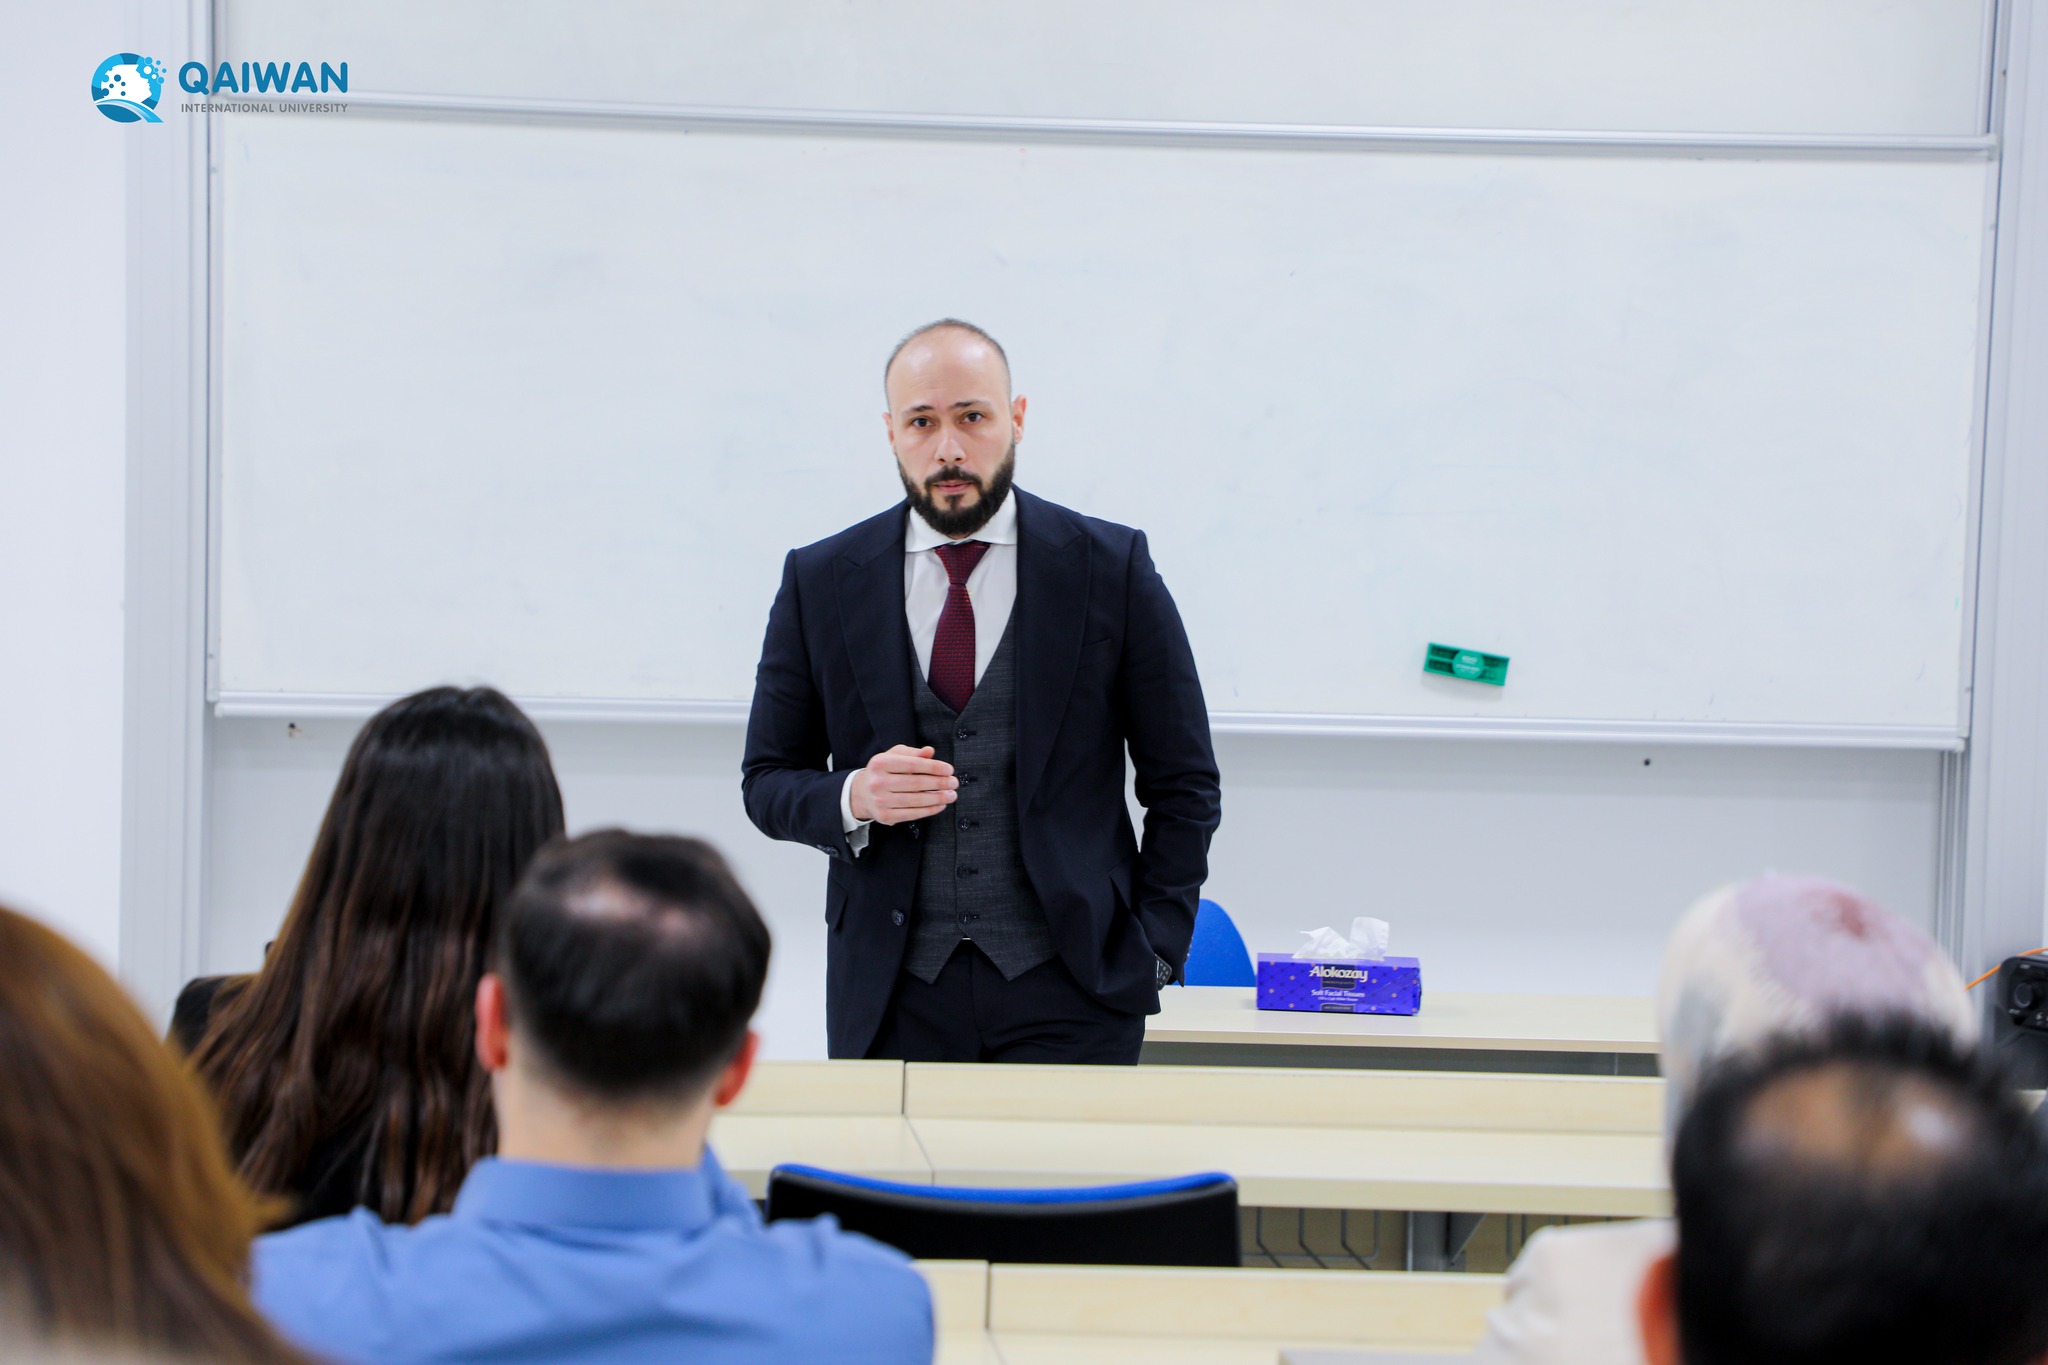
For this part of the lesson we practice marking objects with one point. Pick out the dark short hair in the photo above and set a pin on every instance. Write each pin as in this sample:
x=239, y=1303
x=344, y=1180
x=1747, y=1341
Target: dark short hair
x=631, y=963
x=957, y=325
x=1850, y=1234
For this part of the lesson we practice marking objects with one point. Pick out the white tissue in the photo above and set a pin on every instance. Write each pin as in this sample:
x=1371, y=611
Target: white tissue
x=1368, y=942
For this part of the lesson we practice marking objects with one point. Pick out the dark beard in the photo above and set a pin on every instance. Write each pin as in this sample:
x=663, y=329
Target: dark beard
x=953, y=523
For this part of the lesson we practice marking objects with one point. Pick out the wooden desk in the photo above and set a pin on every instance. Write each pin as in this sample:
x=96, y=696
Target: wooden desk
x=1434, y=1141
x=1569, y=1034
x=960, y=1312
x=822, y=1088
x=1442, y=1142
x=846, y=1116
x=1318, y=1168
x=1120, y=1315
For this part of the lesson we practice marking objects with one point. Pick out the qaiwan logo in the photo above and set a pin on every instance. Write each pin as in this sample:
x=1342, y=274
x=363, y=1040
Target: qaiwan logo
x=126, y=87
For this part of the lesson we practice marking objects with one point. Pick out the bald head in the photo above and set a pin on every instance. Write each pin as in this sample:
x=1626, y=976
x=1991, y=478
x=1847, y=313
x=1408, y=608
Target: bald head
x=1850, y=1120
x=630, y=965
x=950, y=342
x=1875, y=1193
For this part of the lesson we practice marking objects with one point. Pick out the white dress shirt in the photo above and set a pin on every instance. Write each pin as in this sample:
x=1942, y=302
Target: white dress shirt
x=992, y=588
x=1571, y=1296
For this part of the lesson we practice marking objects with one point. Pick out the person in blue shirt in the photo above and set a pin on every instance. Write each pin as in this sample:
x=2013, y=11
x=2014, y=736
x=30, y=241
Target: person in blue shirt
x=614, y=1022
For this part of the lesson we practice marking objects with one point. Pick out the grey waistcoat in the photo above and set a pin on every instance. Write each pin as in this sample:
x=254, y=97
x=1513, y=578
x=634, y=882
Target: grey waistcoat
x=971, y=882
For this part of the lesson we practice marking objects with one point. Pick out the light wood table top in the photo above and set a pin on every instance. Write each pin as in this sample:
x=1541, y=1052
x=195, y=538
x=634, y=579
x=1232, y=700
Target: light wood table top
x=845, y=1116
x=1316, y=1355
x=960, y=1312
x=969, y=1348
x=1615, y=1175
x=1437, y=1141
x=751, y=1145
x=1116, y=1315
x=841, y=1087
x=1448, y=1019
x=1018, y=1348
x=1285, y=1097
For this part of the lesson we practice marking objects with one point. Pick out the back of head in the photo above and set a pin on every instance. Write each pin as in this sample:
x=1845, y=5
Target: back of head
x=631, y=965
x=122, y=1225
x=359, y=1021
x=1781, y=955
x=1872, y=1193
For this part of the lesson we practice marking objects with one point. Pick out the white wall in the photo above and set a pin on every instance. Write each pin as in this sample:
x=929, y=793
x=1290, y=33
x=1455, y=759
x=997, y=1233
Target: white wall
x=62, y=457
x=1504, y=866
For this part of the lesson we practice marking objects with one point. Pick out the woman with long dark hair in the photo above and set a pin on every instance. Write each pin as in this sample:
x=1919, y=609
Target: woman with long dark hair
x=344, y=1068
x=123, y=1229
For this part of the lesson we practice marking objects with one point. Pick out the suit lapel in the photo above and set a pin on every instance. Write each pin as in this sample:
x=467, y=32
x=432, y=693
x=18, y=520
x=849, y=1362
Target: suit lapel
x=869, y=574
x=1051, y=610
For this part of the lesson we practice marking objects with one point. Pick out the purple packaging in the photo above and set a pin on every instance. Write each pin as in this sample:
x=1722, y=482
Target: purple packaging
x=1392, y=986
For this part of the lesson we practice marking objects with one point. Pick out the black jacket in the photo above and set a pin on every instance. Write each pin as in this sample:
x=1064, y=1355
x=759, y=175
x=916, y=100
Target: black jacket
x=1103, y=664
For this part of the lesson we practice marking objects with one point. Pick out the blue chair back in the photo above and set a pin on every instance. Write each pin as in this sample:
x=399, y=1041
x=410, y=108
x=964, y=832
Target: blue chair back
x=1217, y=956
x=1187, y=1220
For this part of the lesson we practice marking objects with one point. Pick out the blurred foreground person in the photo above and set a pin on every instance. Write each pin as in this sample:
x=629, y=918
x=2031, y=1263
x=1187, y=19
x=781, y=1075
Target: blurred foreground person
x=123, y=1230
x=344, y=1069
x=613, y=1024
x=1772, y=957
x=1875, y=1195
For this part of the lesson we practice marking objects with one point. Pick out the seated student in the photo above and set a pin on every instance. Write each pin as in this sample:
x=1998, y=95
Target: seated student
x=344, y=1069
x=1874, y=1195
x=613, y=1023
x=122, y=1226
x=1747, y=963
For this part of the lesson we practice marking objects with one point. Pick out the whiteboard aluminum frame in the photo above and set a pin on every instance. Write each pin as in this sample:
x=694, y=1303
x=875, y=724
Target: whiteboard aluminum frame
x=167, y=544
x=1973, y=528
x=1004, y=128
x=297, y=706
x=1990, y=80
x=2002, y=833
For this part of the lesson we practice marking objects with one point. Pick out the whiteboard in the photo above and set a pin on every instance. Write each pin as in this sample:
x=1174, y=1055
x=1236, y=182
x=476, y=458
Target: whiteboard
x=1688, y=439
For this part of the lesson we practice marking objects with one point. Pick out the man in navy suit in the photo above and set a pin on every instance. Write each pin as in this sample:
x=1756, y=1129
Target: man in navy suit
x=945, y=699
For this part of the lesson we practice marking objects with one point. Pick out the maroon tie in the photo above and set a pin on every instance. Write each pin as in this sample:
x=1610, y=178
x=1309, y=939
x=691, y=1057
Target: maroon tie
x=952, y=675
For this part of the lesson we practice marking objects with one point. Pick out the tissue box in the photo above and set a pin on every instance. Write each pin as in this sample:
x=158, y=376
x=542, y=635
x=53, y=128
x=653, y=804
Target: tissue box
x=1392, y=986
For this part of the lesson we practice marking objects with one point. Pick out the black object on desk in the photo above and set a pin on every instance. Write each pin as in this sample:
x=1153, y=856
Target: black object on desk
x=2019, y=1020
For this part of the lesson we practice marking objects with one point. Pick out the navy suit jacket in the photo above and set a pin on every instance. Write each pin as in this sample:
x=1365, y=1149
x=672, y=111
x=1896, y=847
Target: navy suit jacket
x=1103, y=665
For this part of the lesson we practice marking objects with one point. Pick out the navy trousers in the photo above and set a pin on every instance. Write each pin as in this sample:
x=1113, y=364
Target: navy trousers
x=970, y=1014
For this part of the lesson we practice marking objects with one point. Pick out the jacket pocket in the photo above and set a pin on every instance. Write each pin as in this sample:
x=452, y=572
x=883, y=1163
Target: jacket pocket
x=1120, y=882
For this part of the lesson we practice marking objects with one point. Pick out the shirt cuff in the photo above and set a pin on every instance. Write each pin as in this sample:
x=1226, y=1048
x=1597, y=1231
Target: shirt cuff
x=856, y=831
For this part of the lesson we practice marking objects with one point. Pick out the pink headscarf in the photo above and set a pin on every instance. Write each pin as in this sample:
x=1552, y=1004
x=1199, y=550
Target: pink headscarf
x=1787, y=954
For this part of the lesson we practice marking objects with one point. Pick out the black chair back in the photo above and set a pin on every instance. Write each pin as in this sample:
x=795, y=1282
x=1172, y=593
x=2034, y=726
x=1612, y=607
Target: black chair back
x=1191, y=1220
